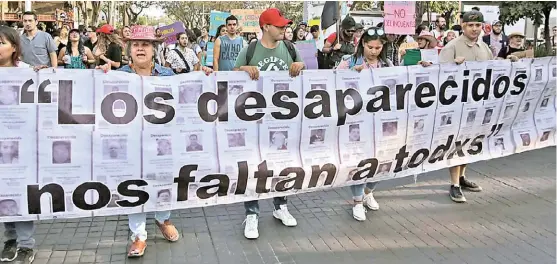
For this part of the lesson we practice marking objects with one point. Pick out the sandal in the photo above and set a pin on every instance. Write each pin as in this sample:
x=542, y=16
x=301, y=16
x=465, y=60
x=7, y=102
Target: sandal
x=168, y=230
x=137, y=249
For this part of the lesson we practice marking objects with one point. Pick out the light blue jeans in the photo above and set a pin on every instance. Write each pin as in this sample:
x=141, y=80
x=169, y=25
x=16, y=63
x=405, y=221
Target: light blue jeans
x=252, y=207
x=137, y=223
x=22, y=232
x=358, y=190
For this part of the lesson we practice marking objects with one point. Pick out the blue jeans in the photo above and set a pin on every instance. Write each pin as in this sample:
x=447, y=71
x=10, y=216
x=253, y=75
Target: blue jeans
x=22, y=232
x=252, y=207
x=358, y=190
x=137, y=223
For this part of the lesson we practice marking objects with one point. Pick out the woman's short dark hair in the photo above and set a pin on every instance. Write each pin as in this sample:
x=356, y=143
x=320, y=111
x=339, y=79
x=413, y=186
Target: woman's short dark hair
x=219, y=29
x=295, y=32
x=191, y=35
x=8, y=34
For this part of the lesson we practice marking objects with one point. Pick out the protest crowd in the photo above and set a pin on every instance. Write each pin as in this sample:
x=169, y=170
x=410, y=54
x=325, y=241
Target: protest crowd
x=142, y=50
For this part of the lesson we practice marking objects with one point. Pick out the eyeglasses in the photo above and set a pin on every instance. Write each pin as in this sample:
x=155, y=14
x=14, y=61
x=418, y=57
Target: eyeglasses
x=350, y=31
x=375, y=32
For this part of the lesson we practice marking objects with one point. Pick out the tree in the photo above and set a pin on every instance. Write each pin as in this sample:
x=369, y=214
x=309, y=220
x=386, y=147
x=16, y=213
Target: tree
x=133, y=9
x=96, y=10
x=196, y=14
x=447, y=9
x=537, y=11
x=82, y=9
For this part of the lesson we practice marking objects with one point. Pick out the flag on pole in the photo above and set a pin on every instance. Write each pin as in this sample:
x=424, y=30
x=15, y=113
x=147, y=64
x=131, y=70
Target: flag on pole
x=330, y=14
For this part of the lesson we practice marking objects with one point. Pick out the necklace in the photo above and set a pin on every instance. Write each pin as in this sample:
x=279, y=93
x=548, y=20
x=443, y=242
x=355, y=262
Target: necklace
x=371, y=66
x=150, y=71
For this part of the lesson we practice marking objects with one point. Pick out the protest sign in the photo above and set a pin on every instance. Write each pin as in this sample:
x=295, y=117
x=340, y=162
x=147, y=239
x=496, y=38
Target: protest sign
x=308, y=51
x=169, y=32
x=216, y=19
x=248, y=19
x=225, y=138
x=399, y=17
x=314, y=22
x=209, y=59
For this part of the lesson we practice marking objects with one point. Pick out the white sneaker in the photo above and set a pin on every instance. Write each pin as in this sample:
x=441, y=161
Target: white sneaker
x=250, y=230
x=283, y=215
x=359, y=212
x=370, y=202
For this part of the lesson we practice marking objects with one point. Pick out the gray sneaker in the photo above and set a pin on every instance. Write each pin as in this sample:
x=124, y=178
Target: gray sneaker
x=24, y=256
x=456, y=194
x=9, y=252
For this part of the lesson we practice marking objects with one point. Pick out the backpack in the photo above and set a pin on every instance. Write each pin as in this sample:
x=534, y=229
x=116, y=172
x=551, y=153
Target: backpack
x=251, y=50
x=333, y=58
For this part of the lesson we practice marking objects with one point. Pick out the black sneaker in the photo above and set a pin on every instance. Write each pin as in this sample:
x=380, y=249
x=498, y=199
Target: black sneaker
x=9, y=252
x=24, y=256
x=468, y=185
x=456, y=194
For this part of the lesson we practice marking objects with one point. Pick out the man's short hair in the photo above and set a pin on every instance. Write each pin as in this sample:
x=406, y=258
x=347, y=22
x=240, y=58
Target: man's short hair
x=476, y=8
x=314, y=28
x=32, y=13
x=230, y=18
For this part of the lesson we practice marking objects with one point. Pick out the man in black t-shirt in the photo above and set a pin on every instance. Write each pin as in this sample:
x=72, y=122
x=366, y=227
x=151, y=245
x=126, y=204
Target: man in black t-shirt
x=91, y=41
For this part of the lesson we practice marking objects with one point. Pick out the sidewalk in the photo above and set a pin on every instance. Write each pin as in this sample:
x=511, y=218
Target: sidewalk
x=511, y=221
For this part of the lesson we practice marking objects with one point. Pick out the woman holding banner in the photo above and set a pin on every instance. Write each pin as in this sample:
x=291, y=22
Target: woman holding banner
x=369, y=55
x=19, y=243
x=141, y=48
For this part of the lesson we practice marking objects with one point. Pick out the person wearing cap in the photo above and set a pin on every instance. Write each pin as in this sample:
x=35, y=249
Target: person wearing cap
x=337, y=48
x=109, y=47
x=515, y=50
x=426, y=41
x=358, y=33
x=37, y=47
x=271, y=53
x=227, y=47
x=496, y=40
x=75, y=55
x=467, y=47
x=142, y=46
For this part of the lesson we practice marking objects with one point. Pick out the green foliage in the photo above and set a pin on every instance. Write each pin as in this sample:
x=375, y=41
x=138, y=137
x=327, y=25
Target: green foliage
x=447, y=9
x=510, y=11
x=196, y=13
x=541, y=51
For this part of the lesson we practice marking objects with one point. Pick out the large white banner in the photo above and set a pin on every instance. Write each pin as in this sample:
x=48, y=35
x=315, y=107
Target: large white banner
x=81, y=143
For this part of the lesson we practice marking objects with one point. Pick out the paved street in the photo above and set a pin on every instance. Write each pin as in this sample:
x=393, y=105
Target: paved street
x=511, y=221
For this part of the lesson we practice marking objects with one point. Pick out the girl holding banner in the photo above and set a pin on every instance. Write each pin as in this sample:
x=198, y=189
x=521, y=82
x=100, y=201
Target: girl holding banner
x=369, y=55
